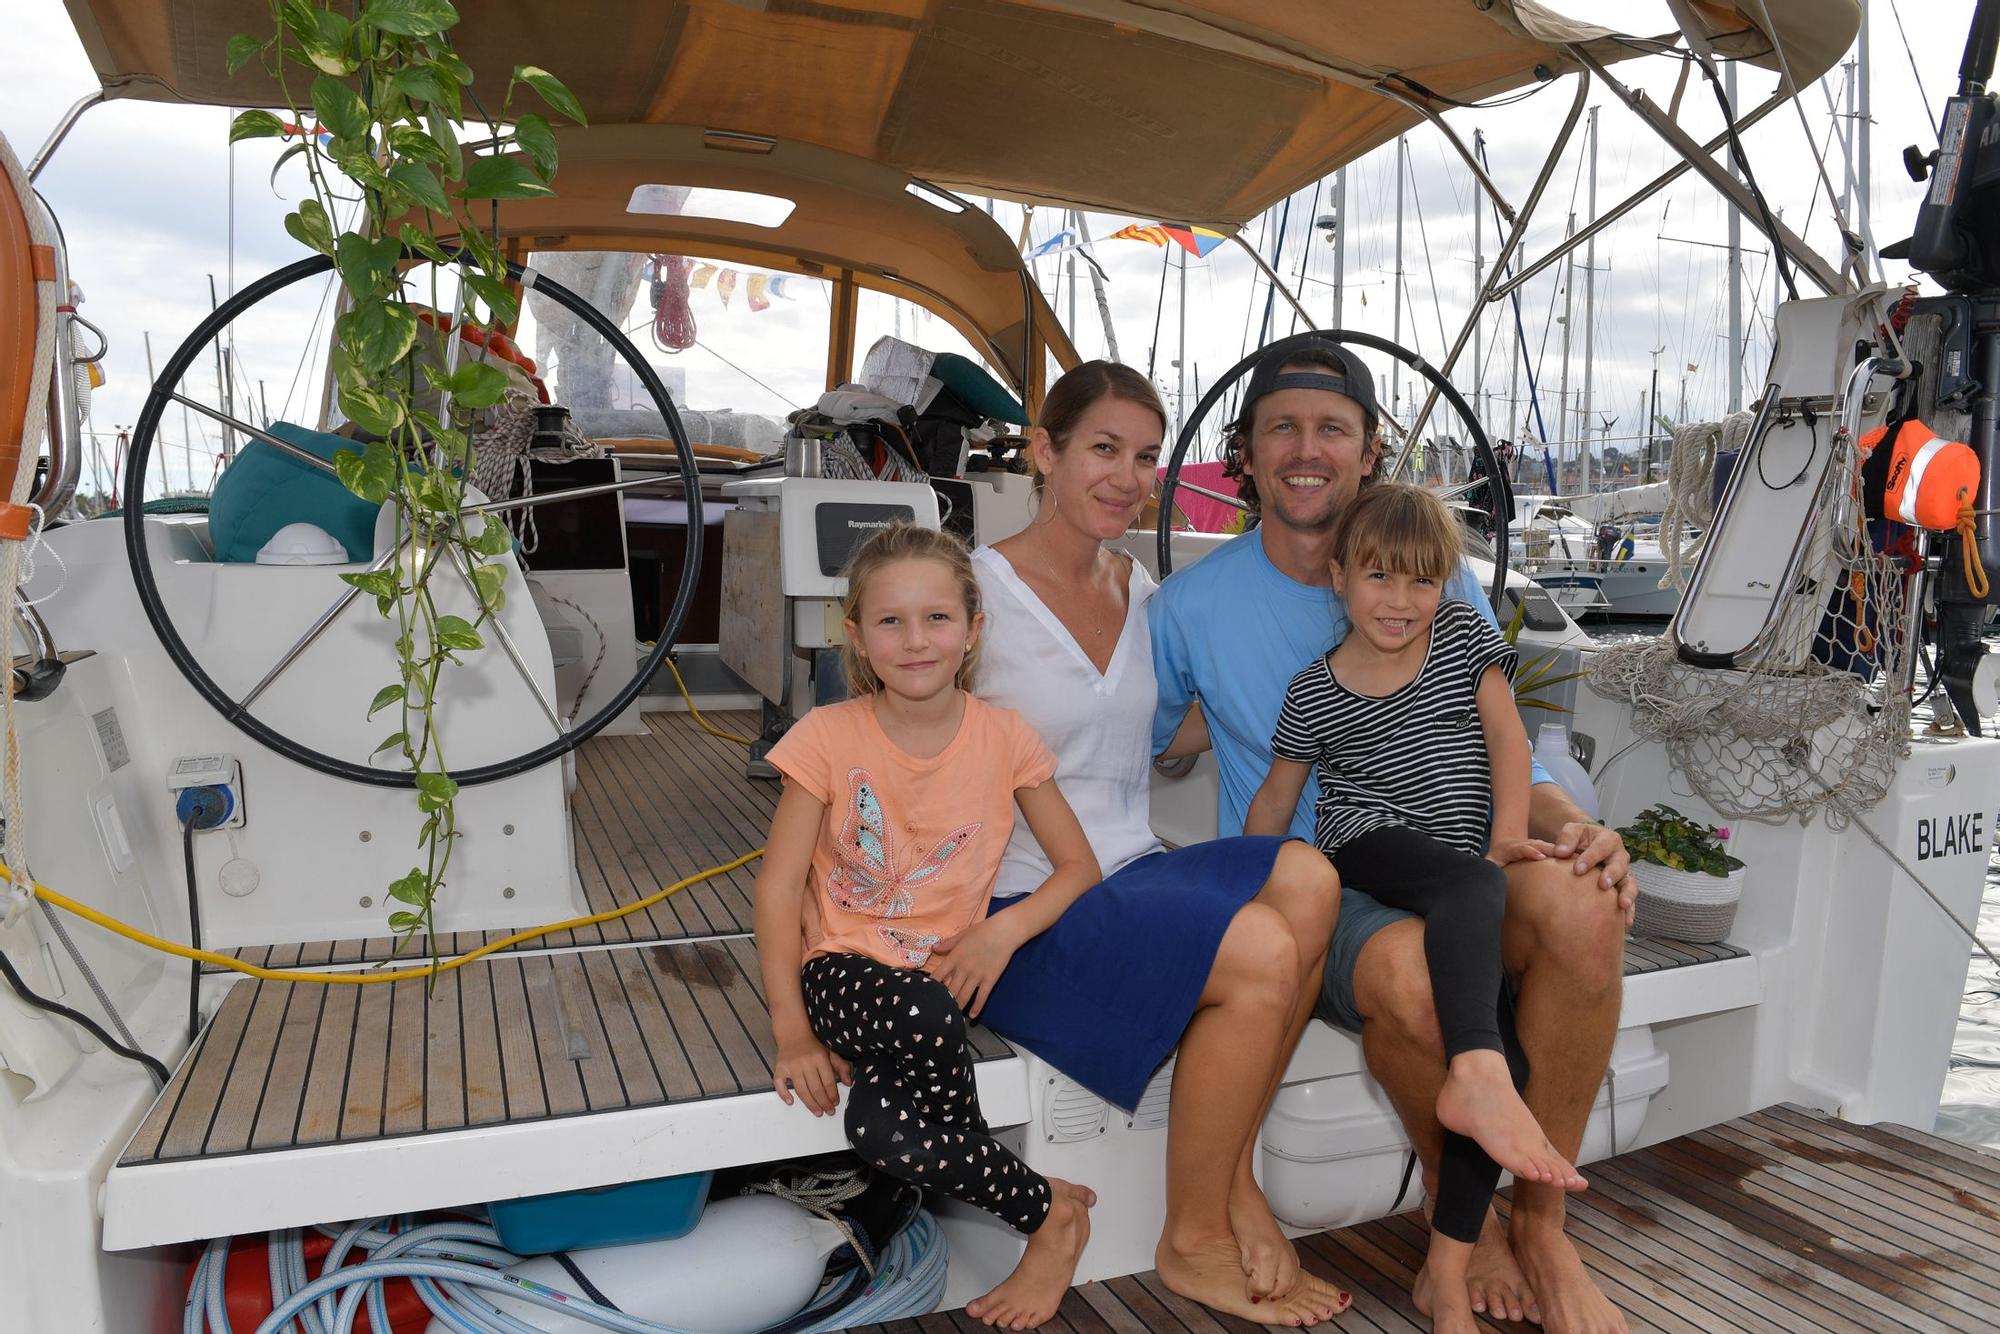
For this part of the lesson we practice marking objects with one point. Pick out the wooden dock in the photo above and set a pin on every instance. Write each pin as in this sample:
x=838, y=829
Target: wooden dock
x=1779, y=1222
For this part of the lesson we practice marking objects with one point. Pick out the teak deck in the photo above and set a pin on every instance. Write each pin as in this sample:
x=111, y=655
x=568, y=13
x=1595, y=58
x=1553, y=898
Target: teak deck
x=1779, y=1222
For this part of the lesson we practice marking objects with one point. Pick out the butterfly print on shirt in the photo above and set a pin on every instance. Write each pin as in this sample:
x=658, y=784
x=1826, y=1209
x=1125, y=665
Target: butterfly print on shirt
x=866, y=878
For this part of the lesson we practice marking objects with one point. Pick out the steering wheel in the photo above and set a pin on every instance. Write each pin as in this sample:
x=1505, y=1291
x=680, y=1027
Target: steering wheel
x=237, y=712
x=1497, y=517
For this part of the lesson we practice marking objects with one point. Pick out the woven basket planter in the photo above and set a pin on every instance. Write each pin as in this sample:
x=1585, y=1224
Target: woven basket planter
x=1685, y=905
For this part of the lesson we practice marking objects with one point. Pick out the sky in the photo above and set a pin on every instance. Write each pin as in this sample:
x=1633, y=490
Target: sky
x=143, y=194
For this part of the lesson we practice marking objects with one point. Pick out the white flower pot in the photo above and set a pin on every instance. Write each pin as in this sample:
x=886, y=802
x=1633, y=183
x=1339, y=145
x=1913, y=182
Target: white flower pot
x=1685, y=905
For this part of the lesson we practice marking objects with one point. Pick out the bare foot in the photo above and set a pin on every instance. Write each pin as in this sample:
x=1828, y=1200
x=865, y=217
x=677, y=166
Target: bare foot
x=1211, y=1273
x=1570, y=1300
x=1494, y=1279
x=1444, y=1299
x=1029, y=1296
x=1478, y=1100
x=1270, y=1261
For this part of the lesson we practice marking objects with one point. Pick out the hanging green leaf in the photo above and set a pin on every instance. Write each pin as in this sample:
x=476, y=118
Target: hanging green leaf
x=379, y=333
x=418, y=184
x=505, y=176
x=391, y=742
x=415, y=887
x=534, y=136
x=309, y=225
x=410, y=18
x=490, y=583
x=283, y=158
x=339, y=108
x=420, y=83
x=243, y=48
x=418, y=146
x=498, y=296
x=493, y=537
x=370, y=409
x=255, y=125
x=404, y=921
x=414, y=239
x=455, y=632
x=384, y=697
x=366, y=267
x=371, y=474
x=439, y=125
x=434, y=792
x=559, y=98
x=478, y=385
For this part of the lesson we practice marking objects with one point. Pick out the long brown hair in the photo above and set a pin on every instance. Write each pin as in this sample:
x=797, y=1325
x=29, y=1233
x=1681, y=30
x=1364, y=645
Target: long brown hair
x=1085, y=386
x=900, y=542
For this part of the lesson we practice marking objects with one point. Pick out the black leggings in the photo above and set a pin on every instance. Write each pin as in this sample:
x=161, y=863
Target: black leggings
x=913, y=1112
x=1462, y=899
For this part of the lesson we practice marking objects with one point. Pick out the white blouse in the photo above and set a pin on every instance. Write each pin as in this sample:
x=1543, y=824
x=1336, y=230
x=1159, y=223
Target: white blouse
x=1100, y=725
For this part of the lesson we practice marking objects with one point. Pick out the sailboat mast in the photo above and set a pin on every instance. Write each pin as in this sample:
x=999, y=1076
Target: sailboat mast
x=1562, y=393
x=1861, y=158
x=1478, y=286
x=1339, y=246
x=1180, y=361
x=1396, y=300
x=1097, y=290
x=1589, y=308
x=1735, y=281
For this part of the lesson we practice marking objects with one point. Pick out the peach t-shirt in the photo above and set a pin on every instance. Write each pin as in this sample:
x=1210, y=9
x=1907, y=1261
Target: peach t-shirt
x=910, y=847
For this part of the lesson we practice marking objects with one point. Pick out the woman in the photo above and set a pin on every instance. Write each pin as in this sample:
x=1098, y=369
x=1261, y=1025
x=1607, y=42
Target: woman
x=1214, y=950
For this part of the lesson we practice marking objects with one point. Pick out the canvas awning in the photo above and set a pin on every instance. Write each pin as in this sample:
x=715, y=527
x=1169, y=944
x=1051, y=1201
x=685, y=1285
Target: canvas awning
x=1170, y=109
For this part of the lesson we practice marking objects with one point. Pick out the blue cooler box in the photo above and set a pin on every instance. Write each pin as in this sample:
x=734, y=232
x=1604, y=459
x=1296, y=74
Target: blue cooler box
x=574, y=1220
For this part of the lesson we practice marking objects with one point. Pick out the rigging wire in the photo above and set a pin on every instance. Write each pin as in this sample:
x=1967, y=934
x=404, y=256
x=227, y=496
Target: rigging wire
x=1897, y=14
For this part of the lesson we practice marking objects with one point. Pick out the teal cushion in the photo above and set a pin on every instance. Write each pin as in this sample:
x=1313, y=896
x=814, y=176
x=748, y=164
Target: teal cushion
x=978, y=390
x=265, y=488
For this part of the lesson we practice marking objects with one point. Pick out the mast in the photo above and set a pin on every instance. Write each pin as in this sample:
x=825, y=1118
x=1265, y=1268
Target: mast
x=1735, y=283
x=1861, y=132
x=223, y=398
x=1097, y=290
x=1180, y=360
x=166, y=482
x=1562, y=392
x=1478, y=286
x=1395, y=364
x=1339, y=245
x=1589, y=308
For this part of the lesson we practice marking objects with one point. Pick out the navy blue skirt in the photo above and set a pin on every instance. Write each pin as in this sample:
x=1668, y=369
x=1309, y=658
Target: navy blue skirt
x=1105, y=993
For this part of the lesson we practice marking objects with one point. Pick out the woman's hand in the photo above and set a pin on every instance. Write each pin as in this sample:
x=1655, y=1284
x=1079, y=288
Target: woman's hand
x=806, y=1067
x=970, y=962
x=1507, y=851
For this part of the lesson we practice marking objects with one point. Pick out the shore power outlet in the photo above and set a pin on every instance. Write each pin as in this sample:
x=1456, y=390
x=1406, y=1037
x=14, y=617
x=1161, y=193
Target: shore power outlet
x=208, y=791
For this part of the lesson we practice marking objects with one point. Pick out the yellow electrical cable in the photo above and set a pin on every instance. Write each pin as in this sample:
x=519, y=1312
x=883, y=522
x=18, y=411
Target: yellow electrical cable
x=133, y=933
x=695, y=713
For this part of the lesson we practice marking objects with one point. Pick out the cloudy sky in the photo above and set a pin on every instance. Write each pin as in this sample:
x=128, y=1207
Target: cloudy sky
x=143, y=193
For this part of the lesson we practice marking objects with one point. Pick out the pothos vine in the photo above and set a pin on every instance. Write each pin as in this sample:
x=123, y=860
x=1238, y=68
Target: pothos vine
x=386, y=96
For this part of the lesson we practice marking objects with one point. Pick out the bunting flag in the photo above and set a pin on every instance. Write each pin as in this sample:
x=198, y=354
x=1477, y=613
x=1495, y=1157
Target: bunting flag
x=780, y=286
x=1197, y=241
x=725, y=285
x=1055, y=245
x=1136, y=232
x=702, y=273
x=754, y=290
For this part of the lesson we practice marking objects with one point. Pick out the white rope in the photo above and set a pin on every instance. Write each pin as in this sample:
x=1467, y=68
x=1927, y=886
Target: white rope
x=13, y=554
x=1690, y=509
x=822, y=1193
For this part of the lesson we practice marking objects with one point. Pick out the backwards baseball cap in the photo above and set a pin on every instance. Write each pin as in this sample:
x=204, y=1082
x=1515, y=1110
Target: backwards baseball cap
x=1352, y=379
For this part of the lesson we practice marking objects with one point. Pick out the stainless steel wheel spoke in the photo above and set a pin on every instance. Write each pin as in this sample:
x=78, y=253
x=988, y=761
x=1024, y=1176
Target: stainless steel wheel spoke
x=506, y=640
x=318, y=627
x=1235, y=502
x=258, y=433
x=571, y=493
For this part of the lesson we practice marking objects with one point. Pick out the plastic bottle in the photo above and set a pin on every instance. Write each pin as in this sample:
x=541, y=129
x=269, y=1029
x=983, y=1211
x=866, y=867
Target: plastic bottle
x=1552, y=750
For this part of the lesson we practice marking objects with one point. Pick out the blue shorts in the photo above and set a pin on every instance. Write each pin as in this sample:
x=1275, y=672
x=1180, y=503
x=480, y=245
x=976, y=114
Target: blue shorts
x=1360, y=918
x=1105, y=993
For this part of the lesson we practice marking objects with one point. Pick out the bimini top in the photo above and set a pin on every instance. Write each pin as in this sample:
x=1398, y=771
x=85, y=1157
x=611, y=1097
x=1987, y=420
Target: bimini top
x=1169, y=109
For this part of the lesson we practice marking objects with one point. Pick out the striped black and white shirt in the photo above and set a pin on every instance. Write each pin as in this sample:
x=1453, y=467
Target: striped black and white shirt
x=1415, y=758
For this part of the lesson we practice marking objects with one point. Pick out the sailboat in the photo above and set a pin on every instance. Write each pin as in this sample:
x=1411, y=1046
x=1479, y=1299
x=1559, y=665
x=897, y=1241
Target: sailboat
x=140, y=1133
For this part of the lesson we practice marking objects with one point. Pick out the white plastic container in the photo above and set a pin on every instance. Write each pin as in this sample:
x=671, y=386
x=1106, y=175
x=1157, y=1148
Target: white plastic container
x=1334, y=1151
x=1552, y=749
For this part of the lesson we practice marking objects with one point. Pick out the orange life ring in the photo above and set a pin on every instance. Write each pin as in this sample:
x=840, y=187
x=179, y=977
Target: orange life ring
x=1930, y=481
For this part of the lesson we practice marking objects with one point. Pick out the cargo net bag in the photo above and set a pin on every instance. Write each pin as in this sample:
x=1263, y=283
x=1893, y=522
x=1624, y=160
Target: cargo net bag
x=1818, y=718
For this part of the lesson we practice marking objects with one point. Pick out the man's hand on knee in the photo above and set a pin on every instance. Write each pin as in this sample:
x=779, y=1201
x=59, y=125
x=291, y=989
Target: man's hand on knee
x=1592, y=849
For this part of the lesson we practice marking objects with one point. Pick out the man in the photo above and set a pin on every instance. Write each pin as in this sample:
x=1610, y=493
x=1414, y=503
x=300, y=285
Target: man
x=1228, y=633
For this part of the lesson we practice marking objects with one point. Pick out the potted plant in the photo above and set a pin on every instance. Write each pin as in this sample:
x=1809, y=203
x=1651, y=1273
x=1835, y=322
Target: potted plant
x=1688, y=885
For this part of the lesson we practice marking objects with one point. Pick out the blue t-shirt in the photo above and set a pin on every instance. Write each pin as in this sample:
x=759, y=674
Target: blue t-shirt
x=1232, y=630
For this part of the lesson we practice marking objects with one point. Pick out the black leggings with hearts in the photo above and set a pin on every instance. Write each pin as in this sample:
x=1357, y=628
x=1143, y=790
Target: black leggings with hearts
x=913, y=1111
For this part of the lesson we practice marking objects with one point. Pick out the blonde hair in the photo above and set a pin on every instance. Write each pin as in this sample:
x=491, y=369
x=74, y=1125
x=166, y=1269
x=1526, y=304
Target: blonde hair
x=1400, y=528
x=901, y=542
